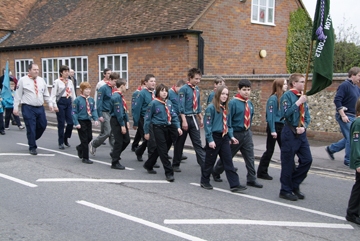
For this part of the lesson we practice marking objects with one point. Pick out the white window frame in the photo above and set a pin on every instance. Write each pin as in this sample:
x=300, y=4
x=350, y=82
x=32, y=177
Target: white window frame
x=121, y=66
x=78, y=63
x=21, y=67
x=263, y=7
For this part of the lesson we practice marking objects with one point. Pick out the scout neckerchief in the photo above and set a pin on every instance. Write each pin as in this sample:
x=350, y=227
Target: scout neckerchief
x=225, y=127
x=247, y=110
x=301, y=107
x=113, y=89
x=88, y=110
x=151, y=92
x=174, y=88
x=123, y=100
x=139, y=88
x=194, y=97
x=35, y=85
x=166, y=109
x=67, y=88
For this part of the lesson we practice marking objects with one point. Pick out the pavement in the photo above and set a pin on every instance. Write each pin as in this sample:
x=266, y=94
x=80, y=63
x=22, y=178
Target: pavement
x=321, y=160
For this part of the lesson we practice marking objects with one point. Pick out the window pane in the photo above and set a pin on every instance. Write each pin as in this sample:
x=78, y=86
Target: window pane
x=124, y=63
x=50, y=79
x=78, y=78
x=56, y=76
x=255, y=13
x=117, y=63
x=85, y=64
x=124, y=75
x=270, y=15
x=78, y=64
x=85, y=78
x=45, y=77
x=262, y=15
x=110, y=63
x=102, y=64
x=263, y=2
x=50, y=65
x=255, y=1
x=271, y=3
x=67, y=62
x=73, y=65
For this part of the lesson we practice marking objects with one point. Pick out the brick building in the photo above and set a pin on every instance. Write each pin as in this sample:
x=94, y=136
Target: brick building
x=163, y=37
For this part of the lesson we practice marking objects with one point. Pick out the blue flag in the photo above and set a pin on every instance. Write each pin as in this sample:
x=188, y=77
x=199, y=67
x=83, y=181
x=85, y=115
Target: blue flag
x=6, y=94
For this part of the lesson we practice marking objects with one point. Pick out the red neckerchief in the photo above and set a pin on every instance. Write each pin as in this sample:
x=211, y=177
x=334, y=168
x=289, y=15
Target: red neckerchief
x=150, y=91
x=111, y=86
x=225, y=127
x=139, y=88
x=301, y=107
x=166, y=109
x=67, y=90
x=195, y=106
x=247, y=110
x=123, y=100
x=88, y=110
x=174, y=88
x=35, y=85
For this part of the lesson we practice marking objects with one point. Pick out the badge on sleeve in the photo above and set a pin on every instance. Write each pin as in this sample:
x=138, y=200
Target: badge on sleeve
x=356, y=136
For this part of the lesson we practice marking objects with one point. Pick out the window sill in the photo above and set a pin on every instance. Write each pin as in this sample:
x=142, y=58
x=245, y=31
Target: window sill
x=267, y=24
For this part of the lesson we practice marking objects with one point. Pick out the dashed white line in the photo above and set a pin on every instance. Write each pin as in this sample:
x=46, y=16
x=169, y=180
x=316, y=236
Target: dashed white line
x=98, y=180
x=23, y=154
x=278, y=203
x=141, y=221
x=17, y=180
x=67, y=154
x=258, y=222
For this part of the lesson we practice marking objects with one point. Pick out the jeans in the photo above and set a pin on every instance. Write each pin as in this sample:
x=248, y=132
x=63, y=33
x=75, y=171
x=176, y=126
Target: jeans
x=345, y=142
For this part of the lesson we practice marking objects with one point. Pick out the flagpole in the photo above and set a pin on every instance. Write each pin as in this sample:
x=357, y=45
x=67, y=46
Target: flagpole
x=308, y=65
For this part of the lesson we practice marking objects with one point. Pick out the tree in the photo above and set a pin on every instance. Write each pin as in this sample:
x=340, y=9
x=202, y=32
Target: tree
x=298, y=42
x=347, y=48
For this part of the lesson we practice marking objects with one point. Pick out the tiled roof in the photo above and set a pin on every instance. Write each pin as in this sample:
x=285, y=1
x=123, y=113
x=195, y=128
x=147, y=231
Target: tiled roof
x=54, y=21
x=13, y=11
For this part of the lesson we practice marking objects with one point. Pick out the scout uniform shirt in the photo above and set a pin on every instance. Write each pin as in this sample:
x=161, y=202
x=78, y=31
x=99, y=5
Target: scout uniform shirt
x=291, y=111
x=273, y=112
x=103, y=102
x=57, y=88
x=186, y=100
x=213, y=122
x=118, y=110
x=174, y=98
x=80, y=112
x=141, y=104
x=237, y=112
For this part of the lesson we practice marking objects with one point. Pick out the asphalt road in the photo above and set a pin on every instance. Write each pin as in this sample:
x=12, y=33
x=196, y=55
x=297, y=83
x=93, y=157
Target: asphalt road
x=54, y=196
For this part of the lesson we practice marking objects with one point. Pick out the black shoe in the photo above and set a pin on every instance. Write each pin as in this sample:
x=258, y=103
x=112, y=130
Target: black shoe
x=254, y=184
x=353, y=219
x=265, y=176
x=288, y=196
x=238, y=189
x=183, y=157
x=299, y=194
x=139, y=158
x=217, y=177
x=206, y=186
x=33, y=152
x=236, y=169
x=156, y=166
x=2, y=132
x=13, y=123
x=87, y=161
x=169, y=157
x=103, y=143
x=170, y=178
x=150, y=171
x=61, y=147
x=176, y=169
x=346, y=163
x=117, y=165
x=133, y=148
x=66, y=143
x=331, y=155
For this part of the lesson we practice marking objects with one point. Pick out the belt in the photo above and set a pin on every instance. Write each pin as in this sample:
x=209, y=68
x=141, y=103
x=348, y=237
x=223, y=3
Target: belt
x=35, y=106
x=190, y=115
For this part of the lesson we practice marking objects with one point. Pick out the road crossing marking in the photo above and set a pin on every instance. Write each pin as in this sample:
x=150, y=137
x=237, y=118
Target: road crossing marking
x=23, y=154
x=67, y=154
x=17, y=180
x=141, y=221
x=258, y=222
x=98, y=180
x=278, y=203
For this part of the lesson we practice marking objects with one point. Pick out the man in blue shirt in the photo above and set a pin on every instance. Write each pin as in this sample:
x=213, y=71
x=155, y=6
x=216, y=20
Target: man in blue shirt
x=190, y=112
x=345, y=99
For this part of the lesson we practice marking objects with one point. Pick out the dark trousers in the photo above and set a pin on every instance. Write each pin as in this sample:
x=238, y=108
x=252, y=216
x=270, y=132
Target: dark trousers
x=121, y=140
x=137, y=139
x=354, y=201
x=164, y=137
x=293, y=144
x=64, y=115
x=35, y=122
x=196, y=142
x=223, y=150
x=85, y=136
x=246, y=147
x=2, y=122
x=149, y=144
x=270, y=147
x=8, y=114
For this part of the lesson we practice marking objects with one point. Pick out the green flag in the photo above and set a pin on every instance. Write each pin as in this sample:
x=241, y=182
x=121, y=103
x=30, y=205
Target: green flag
x=323, y=33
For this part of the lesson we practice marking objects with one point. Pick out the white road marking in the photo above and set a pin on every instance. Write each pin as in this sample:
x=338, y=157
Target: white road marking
x=23, y=154
x=17, y=180
x=98, y=180
x=278, y=203
x=67, y=154
x=258, y=222
x=141, y=221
